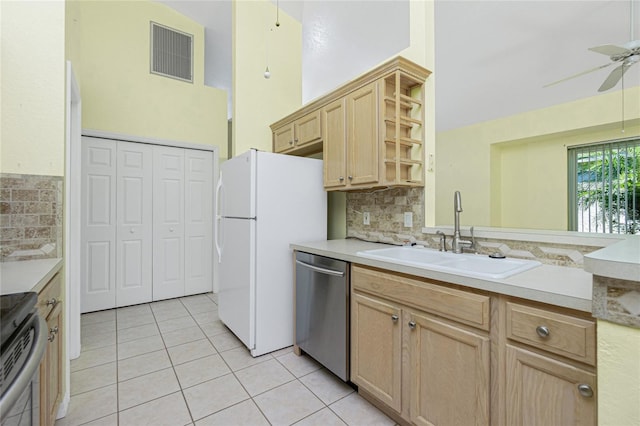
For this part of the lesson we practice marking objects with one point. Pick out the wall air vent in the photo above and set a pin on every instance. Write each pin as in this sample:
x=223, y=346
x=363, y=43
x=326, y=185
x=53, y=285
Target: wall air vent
x=171, y=53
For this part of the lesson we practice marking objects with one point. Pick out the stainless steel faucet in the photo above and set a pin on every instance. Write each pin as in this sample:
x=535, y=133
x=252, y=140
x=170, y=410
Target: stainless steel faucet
x=458, y=244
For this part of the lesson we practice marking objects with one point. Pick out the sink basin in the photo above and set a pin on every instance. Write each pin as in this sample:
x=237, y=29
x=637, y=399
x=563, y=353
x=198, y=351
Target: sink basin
x=464, y=264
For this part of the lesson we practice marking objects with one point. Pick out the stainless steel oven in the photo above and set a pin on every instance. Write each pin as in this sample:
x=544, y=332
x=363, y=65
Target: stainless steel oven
x=23, y=342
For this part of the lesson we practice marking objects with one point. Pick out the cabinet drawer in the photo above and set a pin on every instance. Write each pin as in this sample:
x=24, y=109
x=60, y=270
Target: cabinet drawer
x=561, y=334
x=465, y=307
x=49, y=296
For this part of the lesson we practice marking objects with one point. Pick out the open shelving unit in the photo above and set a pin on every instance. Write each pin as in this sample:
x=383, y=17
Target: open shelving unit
x=402, y=129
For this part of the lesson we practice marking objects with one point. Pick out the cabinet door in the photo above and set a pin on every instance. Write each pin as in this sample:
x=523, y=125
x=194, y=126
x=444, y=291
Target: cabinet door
x=334, y=144
x=307, y=129
x=168, y=222
x=544, y=391
x=51, y=369
x=362, y=136
x=198, y=214
x=98, y=228
x=134, y=241
x=449, y=369
x=283, y=138
x=376, y=344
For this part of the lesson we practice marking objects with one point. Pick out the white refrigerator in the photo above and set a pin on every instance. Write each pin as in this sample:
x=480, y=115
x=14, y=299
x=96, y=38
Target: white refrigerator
x=265, y=202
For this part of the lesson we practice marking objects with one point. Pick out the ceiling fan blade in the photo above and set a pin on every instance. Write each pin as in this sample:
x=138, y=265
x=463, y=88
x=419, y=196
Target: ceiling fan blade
x=614, y=77
x=579, y=74
x=609, y=50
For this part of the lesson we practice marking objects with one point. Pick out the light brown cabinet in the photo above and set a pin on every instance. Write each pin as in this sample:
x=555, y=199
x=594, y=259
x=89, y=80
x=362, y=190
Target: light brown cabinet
x=376, y=345
x=300, y=135
x=350, y=146
x=372, y=129
x=550, y=367
x=442, y=366
x=50, y=307
x=449, y=372
x=433, y=353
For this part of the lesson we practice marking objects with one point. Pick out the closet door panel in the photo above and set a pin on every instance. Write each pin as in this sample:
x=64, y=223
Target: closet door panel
x=198, y=221
x=98, y=228
x=134, y=244
x=168, y=222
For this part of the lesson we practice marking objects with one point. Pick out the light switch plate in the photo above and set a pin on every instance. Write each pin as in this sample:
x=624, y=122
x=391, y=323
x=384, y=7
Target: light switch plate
x=408, y=219
x=366, y=218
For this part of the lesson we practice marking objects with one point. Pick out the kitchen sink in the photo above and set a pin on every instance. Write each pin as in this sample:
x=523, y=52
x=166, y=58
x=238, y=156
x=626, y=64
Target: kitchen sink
x=473, y=265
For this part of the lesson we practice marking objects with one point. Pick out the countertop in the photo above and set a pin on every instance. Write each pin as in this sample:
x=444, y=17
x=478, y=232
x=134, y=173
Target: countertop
x=620, y=260
x=27, y=275
x=556, y=285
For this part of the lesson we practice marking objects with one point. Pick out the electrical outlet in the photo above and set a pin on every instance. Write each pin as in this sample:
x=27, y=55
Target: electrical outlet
x=366, y=218
x=408, y=219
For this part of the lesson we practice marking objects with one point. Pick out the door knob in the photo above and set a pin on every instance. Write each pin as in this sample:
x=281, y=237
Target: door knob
x=132, y=230
x=394, y=318
x=412, y=325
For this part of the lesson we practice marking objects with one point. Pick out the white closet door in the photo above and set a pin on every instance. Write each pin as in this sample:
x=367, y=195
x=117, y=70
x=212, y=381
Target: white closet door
x=168, y=222
x=98, y=259
x=134, y=242
x=198, y=221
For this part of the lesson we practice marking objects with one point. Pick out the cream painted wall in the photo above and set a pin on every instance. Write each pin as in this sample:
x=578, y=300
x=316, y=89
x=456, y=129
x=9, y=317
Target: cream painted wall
x=109, y=46
x=33, y=87
x=618, y=375
x=514, y=168
x=258, y=102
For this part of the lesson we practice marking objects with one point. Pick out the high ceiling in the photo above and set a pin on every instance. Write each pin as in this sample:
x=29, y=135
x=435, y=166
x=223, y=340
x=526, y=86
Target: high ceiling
x=492, y=57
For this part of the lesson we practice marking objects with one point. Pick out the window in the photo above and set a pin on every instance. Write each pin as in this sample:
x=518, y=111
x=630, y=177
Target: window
x=604, y=187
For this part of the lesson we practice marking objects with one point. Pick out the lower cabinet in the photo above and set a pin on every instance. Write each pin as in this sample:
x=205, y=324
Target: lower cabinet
x=429, y=353
x=376, y=346
x=50, y=306
x=545, y=391
x=449, y=370
x=445, y=366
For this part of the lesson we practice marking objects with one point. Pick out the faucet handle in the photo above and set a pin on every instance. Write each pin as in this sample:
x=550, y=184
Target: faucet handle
x=443, y=240
x=473, y=241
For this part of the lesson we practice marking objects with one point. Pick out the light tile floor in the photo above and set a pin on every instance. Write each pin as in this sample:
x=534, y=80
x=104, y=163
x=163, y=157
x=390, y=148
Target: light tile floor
x=173, y=362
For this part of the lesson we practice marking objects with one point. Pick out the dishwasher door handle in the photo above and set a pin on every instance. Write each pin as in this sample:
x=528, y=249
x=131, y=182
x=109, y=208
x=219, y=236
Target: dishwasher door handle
x=321, y=270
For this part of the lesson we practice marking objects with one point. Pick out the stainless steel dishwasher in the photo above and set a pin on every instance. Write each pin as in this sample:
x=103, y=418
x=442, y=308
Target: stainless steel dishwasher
x=322, y=311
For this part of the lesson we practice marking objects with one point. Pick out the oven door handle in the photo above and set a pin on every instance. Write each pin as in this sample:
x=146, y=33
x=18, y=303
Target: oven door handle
x=30, y=368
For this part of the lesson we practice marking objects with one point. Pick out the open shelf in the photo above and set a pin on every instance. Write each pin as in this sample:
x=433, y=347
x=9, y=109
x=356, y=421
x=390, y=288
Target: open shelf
x=403, y=112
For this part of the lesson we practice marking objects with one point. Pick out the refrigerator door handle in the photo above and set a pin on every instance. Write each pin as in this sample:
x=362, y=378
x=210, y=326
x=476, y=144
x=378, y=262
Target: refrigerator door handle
x=320, y=270
x=216, y=224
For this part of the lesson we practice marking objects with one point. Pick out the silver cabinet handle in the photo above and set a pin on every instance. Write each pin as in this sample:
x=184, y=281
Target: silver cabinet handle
x=52, y=301
x=296, y=140
x=341, y=178
x=350, y=177
x=54, y=330
x=412, y=325
x=542, y=331
x=51, y=337
x=132, y=230
x=394, y=318
x=585, y=390
x=291, y=142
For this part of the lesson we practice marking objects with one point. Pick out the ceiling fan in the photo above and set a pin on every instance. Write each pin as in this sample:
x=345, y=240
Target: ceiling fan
x=626, y=56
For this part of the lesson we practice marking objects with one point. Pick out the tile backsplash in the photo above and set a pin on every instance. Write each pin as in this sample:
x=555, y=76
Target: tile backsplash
x=30, y=217
x=387, y=207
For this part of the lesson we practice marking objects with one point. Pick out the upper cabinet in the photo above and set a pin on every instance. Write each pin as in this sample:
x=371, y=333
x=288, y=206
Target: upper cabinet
x=370, y=130
x=303, y=134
